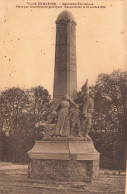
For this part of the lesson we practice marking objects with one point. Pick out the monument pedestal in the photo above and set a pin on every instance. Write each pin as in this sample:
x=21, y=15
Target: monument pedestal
x=63, y=159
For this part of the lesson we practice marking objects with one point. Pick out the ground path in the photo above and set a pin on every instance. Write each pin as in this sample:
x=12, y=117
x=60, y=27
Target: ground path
x=14, y=180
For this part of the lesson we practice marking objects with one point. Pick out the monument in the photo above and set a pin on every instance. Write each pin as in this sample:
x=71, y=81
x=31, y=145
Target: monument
x=66, y=152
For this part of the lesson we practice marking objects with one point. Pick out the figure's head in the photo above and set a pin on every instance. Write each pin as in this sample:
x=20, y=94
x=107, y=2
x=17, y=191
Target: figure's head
x=91, y=94
x=86, y=94
x=66, y=97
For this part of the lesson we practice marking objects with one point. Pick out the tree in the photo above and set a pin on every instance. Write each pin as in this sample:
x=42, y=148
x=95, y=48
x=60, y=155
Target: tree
x=21, y=114
x=109, y=122
x=39, y=103
x=33, y=118
x=12, y=102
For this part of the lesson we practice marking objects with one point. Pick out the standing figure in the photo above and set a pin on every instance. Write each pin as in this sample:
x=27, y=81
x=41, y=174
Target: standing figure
x=63, y=121
x=87, y=112
x=74, y=118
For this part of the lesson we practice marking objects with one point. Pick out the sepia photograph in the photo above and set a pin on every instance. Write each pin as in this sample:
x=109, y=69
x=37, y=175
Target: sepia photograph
x=63, y=97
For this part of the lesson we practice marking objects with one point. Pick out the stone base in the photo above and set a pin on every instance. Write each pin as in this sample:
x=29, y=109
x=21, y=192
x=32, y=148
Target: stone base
x=61, y=159
x=61, y=170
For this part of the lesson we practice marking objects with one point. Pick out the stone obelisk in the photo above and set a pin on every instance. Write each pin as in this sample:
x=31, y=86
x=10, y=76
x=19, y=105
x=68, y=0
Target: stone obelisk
x=65, y=73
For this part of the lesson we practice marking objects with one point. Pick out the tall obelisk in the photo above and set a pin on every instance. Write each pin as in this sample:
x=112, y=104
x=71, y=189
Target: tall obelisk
x=65, y=73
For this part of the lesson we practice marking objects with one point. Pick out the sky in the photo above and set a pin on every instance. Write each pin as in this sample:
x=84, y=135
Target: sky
x=27, y=39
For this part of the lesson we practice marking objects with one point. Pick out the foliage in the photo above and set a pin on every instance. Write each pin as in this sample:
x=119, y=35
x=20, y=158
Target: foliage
x=109, y=122
x=21, y=113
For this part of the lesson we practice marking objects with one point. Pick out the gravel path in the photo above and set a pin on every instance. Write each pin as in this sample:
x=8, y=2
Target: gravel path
x=14, y=180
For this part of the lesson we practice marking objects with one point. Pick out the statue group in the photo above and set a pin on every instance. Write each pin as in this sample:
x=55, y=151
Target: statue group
x=73, y=118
